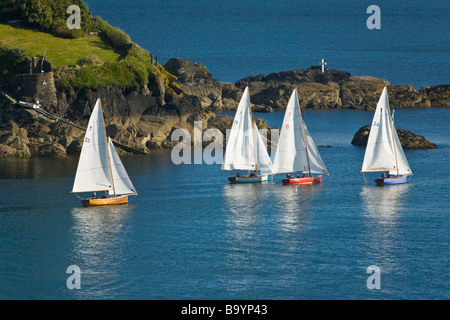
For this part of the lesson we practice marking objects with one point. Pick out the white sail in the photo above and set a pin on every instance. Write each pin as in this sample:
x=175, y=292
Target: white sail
x=291, y=154
x=264, y=162
x=122, y=182
x=94, y=170
x=384, y=151
x=316, y=164
x=240, y=153
x=403, y=165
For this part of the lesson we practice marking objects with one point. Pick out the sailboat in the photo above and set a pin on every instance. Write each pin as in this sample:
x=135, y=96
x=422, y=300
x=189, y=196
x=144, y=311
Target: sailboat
x=99, y=167
x=296, y=151
x=245, y=148
x=384, y=151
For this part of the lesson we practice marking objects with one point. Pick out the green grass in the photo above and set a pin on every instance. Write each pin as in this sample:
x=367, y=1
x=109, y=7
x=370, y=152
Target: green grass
x=128, y=67
x=60, y=51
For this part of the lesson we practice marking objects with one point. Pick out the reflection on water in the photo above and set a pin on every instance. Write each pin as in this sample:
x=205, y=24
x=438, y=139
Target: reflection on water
x=36, y=168
x=290, y=206
x=264, y=232
x=293, y=202
x=96, y=229
x=96, y=242
x=242, y=212
x=384, y=203
x=382, y=209
x=242, y=205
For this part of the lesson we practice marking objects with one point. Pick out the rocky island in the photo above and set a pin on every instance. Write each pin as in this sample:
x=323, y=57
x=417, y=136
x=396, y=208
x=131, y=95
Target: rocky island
x=144, y=101
x=408, y=139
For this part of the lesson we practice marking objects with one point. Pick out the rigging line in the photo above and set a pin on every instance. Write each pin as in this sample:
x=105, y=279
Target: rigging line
x=304, y=138
x=132, y=198
x=79, y=196
x=107, y=147
x=393, y=136
x=365, y=179
x=253, y=134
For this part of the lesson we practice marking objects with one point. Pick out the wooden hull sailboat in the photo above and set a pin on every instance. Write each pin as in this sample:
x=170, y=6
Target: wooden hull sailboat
x=99, y=167
x=296, y=151
x=384, y=152
x=245, y=148
x=105, y=201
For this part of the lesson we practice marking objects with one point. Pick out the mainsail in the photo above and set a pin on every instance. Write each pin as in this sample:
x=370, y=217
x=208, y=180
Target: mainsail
x=94, y=169
x=296, y=150
x=384, y=151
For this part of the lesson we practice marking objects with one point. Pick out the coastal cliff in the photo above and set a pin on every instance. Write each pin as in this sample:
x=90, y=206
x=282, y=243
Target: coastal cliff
x=46, y=101
x=143, y=101
x=143, y=118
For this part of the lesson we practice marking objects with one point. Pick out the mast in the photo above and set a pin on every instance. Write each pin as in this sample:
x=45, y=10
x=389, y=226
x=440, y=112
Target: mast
x=393, y=137
x=304, y=138
x=253, y=136
x=107, y=148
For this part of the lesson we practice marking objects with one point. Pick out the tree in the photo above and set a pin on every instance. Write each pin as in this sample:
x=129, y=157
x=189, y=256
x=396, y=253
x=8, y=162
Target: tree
x=51, y=15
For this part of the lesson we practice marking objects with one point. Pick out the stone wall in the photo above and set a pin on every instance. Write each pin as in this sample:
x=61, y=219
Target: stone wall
x=35, y=87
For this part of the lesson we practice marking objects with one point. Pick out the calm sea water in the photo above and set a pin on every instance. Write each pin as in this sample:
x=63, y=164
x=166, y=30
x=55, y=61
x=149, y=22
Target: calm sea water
x=236, y=38
x=191, y=235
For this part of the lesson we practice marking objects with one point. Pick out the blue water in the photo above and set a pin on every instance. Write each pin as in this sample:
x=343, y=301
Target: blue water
x=191, y=235
x=236, y=38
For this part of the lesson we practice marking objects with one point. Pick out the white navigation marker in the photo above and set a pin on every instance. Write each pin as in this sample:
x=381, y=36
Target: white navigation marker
x=323, y=65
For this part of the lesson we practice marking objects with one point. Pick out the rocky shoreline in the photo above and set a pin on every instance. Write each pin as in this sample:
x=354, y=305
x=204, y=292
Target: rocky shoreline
x=143, y=119
x=333, y=89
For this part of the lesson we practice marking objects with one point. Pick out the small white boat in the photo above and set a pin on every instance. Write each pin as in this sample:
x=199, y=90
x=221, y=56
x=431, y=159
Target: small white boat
x=296, y=151
x=245, y=148
x=384, y=151
x=100, y=168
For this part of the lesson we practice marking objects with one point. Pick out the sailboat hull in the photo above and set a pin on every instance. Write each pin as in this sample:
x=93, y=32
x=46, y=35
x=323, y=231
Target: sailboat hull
x=392, y=180
x=248, y=179
x=307, y=180
x=105, y=201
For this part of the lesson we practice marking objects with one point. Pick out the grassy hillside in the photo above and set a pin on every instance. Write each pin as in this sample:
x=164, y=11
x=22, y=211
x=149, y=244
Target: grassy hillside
x=60, y=51
x=103, y=55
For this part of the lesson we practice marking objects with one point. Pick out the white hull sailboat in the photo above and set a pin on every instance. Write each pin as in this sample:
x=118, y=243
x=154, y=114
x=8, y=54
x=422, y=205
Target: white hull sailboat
x=296, y=151
x=384, y=152
x=245, y=148
x=100, y=168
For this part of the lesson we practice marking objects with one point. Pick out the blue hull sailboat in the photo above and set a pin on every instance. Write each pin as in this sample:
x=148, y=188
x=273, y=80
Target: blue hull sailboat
x=384, y=152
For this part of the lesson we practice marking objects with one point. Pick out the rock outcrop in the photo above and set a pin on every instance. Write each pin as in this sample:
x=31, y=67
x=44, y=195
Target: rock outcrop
x=195, y=80
x=183, y=92
x=140, y=119
x=439, y=96
x=332, y=89
x=408, y=139
x=337, y=89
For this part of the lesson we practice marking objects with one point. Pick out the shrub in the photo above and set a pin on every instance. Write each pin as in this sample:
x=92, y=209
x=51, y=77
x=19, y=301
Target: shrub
x=116, y=37
x=12, y=61
x=51, y=15
x=90, y=60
